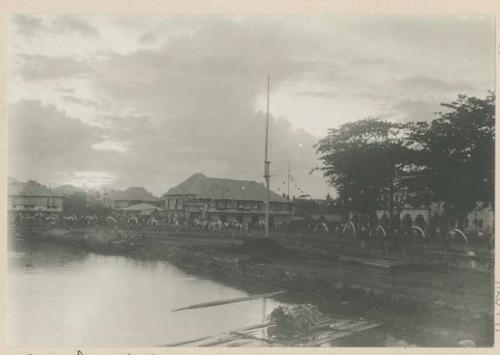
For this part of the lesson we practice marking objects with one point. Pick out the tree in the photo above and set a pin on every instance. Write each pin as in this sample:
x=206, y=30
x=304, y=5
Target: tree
x=364, y=161
x=457, y=153
x=76, y=203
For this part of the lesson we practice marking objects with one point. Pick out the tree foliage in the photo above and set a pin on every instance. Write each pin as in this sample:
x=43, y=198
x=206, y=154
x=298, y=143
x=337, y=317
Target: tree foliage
x=379, y=164
x=457, y=152
x=364, y=160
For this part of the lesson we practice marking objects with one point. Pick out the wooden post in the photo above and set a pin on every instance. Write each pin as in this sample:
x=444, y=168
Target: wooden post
x=263, y=315
x=232, y=241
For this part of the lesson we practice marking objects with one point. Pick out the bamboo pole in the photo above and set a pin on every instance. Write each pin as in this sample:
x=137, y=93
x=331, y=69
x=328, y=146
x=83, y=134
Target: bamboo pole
x=247, y=328
x=231, y=300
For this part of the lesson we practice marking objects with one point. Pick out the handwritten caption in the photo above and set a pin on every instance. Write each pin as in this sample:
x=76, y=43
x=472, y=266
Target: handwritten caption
x=497, y=306
x=80, y=352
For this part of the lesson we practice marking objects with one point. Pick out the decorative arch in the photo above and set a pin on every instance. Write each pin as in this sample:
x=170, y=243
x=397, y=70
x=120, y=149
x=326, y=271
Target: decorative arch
x=375, y=229
x=349, y=224
x=459, y=232
x=418, y=229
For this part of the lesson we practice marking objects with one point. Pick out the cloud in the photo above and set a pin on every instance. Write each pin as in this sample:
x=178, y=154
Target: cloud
x=44, y=140
x=195, y=101
x=199, y=110
x=76, y=25
x=148, y=38
x=111, y=145
x=31, y=25
x=425, y=84
x=80, y=101
x=27, y=25
x=408, y=110
x=42, y=67
x=316, y=94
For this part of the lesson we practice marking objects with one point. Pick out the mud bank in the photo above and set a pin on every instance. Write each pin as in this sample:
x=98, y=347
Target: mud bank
x=429, y=308
x=421, y=321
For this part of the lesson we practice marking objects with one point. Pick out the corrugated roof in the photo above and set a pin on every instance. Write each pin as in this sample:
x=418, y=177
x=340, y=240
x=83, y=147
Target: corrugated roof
x=142, y=207
x=217, y=188
x=132, y=194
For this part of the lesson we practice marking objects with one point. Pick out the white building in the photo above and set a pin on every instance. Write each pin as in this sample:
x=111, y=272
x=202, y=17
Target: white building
x=33, y=197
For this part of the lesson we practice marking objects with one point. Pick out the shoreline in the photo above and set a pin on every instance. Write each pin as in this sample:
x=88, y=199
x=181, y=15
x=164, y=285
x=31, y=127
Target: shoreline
x=354, y=291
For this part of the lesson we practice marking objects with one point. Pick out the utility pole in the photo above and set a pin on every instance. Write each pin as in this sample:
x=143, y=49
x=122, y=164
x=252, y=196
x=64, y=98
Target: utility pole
x=267, y=164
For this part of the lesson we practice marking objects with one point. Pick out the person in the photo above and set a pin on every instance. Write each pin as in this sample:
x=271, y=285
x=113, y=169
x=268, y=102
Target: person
x=395, y=237
x=363, y=237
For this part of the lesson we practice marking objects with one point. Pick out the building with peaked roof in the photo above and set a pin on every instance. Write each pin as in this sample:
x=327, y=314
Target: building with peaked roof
x=142, y=208
x=68, y=190
x=32, y=196
x=129, y=197
x=226, y=200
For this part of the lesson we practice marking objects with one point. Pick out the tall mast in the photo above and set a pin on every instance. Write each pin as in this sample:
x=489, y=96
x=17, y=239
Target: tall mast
x=267, y=164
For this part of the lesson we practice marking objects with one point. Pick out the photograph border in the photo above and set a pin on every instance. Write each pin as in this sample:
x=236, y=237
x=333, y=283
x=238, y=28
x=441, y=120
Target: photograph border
x=219, y=7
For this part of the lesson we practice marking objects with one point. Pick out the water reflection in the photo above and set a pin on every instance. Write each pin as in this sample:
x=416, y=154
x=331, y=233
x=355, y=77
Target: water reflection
x=62, y=296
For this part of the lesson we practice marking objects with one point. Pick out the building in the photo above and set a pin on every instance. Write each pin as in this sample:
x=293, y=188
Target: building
x=318, y=210
x=225, y=200
x=142, y=209
x=130, y=197
x=481, y=218
x=68, y=190
x=32, y=197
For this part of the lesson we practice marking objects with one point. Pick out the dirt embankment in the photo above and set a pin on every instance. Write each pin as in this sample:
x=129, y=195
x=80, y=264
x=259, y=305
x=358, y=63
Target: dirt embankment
x=435, y=307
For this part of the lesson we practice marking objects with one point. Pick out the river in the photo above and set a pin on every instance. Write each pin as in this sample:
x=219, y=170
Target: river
x=61, y=296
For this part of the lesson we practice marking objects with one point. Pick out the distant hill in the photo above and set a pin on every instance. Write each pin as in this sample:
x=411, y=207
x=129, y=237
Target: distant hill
x=68, y=189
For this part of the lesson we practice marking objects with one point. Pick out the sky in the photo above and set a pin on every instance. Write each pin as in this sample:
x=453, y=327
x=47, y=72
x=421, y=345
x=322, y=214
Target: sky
x=119, y=101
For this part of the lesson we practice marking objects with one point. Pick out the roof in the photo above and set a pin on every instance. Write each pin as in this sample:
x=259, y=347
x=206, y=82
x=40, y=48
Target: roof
x=228, y=189
x=132, y=194
x=142, y=207
x=68, y=189
x=30, y=188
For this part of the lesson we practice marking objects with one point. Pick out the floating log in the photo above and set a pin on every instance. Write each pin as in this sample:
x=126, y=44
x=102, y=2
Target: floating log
x=337, y=334
x=253, y=337
x=231, y=300
x=189, y=341
x=227, y=338
x=250, y=327
x=328, y=330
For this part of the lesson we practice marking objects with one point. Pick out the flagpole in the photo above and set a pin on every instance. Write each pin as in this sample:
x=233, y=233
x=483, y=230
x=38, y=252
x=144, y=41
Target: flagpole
x=267, y=164
x=289, y=173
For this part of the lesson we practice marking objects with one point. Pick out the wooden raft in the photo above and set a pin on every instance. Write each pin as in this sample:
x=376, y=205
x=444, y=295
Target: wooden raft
x=327, y=331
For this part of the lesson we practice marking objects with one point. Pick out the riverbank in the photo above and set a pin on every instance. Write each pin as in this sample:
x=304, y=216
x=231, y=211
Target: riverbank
x=433, y=307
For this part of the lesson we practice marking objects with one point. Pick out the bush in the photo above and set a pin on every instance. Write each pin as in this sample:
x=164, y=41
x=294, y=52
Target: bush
x=292, y=320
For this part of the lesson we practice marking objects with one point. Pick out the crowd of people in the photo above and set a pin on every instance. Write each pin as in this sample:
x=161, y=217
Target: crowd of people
x=135, y=221
x=361, y=230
